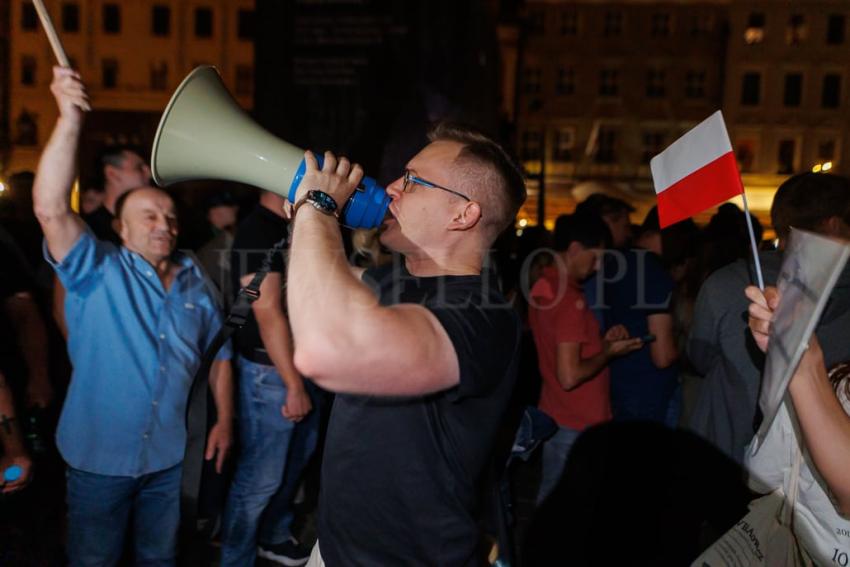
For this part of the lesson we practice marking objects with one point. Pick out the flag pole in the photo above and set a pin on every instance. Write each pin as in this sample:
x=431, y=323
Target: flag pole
x=753, y=243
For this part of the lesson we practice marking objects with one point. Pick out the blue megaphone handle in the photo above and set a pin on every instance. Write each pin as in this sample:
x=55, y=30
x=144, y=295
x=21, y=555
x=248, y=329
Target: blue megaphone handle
x=365, y=208
x=13, y=473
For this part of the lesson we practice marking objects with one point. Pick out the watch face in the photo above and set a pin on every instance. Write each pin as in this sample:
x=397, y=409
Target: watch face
x=323, y=200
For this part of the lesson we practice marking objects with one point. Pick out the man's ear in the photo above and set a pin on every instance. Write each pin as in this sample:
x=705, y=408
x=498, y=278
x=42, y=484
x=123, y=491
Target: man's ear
x=466, y=216
x=109, y=173
x=118, y=226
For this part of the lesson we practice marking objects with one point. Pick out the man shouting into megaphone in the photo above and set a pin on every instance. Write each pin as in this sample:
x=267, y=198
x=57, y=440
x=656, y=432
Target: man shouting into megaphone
x=422, y=354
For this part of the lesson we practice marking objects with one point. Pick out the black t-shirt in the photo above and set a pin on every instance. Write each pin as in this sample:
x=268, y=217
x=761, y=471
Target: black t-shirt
x=100, y=222
x=400, y=475
x=258, y=232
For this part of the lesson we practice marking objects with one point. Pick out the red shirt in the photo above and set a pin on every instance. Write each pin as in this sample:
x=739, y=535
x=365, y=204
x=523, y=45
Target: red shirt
x=558, y=314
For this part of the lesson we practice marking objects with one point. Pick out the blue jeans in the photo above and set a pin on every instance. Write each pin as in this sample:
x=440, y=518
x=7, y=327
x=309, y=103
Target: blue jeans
x=556, y=449
x=99, y=509
x=276, y=524
x=264, y=436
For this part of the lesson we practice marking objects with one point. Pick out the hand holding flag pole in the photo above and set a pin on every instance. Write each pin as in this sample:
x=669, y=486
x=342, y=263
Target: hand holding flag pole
x=699, y=171
x=52, y=36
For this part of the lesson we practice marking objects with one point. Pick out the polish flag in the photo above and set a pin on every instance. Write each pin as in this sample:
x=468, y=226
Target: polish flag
x=696, y=172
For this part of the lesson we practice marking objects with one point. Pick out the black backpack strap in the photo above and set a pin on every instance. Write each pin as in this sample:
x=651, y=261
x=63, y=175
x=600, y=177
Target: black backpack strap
x=196, y=408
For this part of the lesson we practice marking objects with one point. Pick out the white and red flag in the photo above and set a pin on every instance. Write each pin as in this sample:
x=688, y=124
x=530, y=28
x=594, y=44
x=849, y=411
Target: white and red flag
x=696, y=172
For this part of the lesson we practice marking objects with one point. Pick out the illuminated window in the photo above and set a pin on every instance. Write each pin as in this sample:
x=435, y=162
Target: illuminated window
x=796, y=31
x=754, y=33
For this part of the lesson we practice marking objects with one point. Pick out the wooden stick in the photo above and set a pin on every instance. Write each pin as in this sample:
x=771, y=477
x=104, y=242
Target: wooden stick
x=52, y=36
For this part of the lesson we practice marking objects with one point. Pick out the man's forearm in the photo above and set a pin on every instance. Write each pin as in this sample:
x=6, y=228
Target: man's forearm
x=326, y=302
x=277, y=340
x=11, y=439
x=31, y=333
x=56, y=171
x=221, y=383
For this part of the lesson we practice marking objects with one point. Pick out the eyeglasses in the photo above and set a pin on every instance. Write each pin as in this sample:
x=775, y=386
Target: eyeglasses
x=410, y=180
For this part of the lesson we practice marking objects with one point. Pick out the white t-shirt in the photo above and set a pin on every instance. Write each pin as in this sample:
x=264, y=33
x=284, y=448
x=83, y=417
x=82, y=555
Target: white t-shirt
x=821, y=531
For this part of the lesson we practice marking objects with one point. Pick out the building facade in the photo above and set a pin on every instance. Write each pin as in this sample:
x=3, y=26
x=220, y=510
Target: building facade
x=786, y=96
x=132, y=54
x=603, y=87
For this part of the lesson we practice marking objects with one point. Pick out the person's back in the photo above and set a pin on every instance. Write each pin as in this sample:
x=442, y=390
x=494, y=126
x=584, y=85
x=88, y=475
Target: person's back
x=722, y=352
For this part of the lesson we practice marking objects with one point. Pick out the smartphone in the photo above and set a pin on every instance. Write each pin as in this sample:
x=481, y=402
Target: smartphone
x=648, y=338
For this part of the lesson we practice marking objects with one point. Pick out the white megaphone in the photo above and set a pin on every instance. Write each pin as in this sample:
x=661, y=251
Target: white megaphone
x=205, y=134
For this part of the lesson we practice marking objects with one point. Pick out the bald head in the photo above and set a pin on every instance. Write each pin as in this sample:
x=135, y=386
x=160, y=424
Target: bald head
x=147, y=223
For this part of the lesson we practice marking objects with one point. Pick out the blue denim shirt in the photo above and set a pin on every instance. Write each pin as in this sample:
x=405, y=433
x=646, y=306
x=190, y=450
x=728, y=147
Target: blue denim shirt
x=135, y=348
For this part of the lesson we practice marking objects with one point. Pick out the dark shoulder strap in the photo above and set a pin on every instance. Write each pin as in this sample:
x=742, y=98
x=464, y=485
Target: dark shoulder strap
x=196, y=408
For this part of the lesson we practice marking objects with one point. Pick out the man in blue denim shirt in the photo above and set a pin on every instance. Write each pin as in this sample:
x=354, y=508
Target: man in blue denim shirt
x=139, y=318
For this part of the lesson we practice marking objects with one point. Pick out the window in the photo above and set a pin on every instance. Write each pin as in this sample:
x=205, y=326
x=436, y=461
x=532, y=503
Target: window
x=831, y=92
x=835, y=29
x=566, y=84
x=655, y=83
x=531, y=80
x=701, y=25
x=609, y=82
x=111, y=18
x=613, y=24
x=245, y=25
x=109, y=73
x=161, y=21
x=564, y=142
x=29, y=19
x=660, y=25
x=793, y=95
x=244, y=80
x=26, y=129
x=569, y=23
x=754, y=33
x=745, y=154
x=826, y=150
x=29, y=66
x=203, y=22
x=653, y=143
x=70, y=17
x=537, y=22
x=606, y=146
x=751, y=89
x=159, y=76
x=785, y=157
x=531, y=145
x=796, y=32
x=695, y=84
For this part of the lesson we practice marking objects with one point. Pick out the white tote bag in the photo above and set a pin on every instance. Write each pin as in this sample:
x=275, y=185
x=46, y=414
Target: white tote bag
x=765, y=536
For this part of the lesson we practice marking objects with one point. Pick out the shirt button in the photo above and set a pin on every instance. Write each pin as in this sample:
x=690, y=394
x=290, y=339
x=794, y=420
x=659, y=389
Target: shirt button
x=162, y=337
x=162, y=368
x=148, y=274
x=145, y=436
x=155, y=403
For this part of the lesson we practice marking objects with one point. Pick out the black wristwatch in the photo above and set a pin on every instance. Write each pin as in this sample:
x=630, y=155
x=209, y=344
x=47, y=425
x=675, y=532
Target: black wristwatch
x=321, y=201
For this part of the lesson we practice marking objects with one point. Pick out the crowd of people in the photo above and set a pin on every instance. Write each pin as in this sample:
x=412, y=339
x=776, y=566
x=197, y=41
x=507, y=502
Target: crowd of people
x=418, y=367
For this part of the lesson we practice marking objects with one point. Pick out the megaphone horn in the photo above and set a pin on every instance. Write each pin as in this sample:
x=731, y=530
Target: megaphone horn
x=205, y=134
